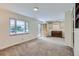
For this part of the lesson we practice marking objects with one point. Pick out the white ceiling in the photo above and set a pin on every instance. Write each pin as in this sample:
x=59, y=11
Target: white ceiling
x=46, y=12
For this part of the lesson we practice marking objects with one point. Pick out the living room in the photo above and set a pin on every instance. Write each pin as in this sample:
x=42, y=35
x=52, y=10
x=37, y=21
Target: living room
x=19, y=24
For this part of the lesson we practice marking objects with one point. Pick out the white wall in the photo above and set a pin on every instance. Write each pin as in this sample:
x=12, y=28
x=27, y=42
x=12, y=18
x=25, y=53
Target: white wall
x=76, y=42
x=5, y=39
x=68, y=29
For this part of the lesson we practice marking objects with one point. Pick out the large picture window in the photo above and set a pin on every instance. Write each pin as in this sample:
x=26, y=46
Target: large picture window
x=18, y=26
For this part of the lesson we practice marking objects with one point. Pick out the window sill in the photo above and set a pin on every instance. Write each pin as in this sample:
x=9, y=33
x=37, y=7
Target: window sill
x=18, y=34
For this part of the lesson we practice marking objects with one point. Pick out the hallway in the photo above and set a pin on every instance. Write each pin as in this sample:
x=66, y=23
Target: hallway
x=39, y=47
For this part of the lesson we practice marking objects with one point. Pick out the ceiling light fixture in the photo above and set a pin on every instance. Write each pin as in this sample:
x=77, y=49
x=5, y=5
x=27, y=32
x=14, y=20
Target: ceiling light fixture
x=36, y=9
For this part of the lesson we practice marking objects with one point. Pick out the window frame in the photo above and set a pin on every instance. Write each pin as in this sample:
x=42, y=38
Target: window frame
x=25, y=26
x=16, y=26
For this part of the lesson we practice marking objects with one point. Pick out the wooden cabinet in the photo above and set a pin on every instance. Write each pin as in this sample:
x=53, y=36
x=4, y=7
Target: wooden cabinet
x=56, y=34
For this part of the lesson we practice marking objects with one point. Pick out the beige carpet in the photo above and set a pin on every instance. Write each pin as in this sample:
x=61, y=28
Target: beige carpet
x=39, y=47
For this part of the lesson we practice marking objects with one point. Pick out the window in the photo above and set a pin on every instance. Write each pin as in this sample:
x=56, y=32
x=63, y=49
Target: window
x=18, y=26
x=26, y=27
x=12, y=26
